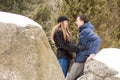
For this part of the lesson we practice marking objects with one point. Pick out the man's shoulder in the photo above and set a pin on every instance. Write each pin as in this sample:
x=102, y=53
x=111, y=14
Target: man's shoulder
x=86, y=31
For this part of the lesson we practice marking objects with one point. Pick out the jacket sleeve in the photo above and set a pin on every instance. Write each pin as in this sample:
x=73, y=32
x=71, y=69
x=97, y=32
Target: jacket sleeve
x=94, y=43
x=60, y=42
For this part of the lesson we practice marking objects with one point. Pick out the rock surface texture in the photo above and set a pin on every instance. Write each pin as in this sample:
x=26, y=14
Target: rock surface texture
x=25, y=53
x=105, y=66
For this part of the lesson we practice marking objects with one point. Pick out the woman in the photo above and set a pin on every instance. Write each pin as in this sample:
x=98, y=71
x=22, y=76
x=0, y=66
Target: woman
x=61, y=36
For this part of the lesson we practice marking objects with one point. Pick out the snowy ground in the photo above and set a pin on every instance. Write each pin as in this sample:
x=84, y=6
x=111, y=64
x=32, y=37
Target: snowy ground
x=20, y=20
x=111, y=57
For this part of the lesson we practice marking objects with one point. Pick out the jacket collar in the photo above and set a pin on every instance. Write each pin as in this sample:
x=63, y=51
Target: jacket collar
x=86, y=25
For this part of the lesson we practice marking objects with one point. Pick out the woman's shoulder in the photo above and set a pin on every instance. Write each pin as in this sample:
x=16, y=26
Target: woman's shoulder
x=59, y=30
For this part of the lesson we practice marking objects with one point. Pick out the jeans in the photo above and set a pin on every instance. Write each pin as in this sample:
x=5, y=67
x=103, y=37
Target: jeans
x=64, y=63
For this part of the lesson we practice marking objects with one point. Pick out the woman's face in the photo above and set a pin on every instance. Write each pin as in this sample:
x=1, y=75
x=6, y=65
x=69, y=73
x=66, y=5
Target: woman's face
x=65, y=24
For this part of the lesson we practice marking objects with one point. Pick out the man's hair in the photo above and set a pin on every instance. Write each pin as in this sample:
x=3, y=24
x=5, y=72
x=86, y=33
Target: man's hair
x=83, y=18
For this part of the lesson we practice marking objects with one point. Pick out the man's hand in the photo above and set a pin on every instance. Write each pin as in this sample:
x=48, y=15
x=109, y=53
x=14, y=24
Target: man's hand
x=90, y=57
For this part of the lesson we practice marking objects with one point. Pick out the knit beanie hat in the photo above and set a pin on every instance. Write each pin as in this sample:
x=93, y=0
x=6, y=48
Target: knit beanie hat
x=62, y=18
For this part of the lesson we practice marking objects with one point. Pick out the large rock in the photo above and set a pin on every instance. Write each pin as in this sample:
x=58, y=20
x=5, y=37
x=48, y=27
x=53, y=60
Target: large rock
x=25, y=53
x=95, y=70
x=105, y=66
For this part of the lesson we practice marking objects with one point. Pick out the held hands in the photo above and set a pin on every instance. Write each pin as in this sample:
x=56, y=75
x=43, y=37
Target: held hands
x=81, y=47
x=90, y=57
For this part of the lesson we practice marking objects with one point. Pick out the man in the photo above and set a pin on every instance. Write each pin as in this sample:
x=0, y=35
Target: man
x=90, y=41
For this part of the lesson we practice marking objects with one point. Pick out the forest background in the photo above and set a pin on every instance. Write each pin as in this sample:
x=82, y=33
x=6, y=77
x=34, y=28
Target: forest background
x=104, y=14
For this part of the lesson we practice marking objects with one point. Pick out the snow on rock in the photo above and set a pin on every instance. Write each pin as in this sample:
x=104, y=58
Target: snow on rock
x=25, y=52
x=19, y=20
x=111, y=57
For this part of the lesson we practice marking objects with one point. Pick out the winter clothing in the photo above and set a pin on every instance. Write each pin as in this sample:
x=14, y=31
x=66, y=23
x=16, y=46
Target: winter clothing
x=62, y=18
x=90, y=40
x=64, y=48
x=76, y=71
x=64, y=63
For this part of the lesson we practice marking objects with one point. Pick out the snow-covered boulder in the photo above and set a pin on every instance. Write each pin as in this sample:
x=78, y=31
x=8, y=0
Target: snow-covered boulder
x=25, y=53
x=105, y=66
x=19, y=20
x=110, y=57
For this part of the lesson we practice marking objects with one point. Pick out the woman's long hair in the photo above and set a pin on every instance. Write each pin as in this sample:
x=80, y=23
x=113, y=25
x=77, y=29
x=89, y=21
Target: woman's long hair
x=66, y=32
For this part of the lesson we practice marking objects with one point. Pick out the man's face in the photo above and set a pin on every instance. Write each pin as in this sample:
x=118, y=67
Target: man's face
x=79, y=22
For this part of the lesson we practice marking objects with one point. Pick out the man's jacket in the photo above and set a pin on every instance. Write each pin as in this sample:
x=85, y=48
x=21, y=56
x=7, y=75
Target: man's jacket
x=89, y=40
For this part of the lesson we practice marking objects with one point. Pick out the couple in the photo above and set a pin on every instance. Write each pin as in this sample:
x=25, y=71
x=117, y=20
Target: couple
x=86, y=49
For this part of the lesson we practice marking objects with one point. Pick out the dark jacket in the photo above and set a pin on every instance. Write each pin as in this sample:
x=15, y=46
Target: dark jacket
x=90, y=40
x=64, y=48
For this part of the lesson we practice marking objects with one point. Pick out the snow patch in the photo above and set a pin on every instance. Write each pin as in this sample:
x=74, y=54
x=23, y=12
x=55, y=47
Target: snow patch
x=19, y=20
x=111, y=57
